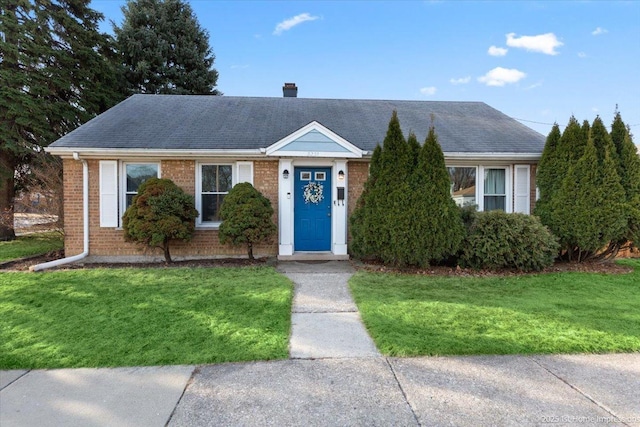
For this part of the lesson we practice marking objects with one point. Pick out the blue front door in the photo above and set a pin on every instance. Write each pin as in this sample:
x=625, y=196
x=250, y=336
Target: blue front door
x=312, y=209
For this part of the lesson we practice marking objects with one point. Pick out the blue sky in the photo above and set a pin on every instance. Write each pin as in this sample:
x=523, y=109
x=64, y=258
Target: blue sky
x=538, y=61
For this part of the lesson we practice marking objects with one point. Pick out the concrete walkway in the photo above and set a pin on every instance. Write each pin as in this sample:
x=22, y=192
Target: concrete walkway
x=325, y=322
x=334, y=378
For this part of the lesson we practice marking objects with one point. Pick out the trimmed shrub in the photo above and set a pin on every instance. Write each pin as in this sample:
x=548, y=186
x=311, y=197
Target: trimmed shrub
x=246, y=217
x=501, y=240
x=405, y=215
x=161, y=212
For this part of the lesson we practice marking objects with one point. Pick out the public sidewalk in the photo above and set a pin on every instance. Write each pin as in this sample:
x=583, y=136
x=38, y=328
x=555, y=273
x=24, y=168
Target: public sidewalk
x=335, y=377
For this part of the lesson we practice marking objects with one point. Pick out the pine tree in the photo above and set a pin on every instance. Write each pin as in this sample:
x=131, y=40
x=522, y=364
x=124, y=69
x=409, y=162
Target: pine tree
x=164, y=50
x=54, y=76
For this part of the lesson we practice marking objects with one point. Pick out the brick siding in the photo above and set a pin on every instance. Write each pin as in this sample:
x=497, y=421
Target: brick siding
x=105, y=241
x=205, y=243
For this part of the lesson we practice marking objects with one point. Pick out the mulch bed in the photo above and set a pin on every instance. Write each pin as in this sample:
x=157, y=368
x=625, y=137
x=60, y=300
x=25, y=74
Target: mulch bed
x=588, y=267
x=607, y=267
x=24, y=263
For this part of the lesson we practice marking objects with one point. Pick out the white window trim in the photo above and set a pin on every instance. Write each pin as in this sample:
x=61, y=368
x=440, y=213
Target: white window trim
x=477, y=168
x=198, y=197
x=123, y=183
x=508, y=177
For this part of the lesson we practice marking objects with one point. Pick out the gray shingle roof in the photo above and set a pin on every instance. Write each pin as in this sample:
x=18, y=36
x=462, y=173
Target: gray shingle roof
x=227, y=122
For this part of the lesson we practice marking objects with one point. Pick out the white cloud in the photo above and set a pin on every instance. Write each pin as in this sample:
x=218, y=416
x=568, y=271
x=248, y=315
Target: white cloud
x=497, y=51
x=431, y=90
x=582, y=55
x=595, y=109
x=599, y=30
x=460, y=81
x=543, y=43
x=501, y=76
x=533, y=86
x=288, y=24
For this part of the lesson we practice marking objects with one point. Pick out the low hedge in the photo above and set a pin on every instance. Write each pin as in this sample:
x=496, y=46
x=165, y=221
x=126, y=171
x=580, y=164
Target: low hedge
x=509, y=240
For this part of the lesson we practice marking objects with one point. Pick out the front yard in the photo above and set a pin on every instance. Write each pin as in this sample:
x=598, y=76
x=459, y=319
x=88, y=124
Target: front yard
x=135, y=317
x=30, y=244
x=410, y=315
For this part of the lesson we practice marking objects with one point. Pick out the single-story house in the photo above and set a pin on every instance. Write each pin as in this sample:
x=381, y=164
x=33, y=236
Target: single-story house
x=283, y=146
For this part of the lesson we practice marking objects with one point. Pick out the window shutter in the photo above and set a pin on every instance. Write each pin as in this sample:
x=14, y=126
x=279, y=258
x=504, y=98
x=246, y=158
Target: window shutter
x=108, y=193
x=244, y=172
x=522, y=191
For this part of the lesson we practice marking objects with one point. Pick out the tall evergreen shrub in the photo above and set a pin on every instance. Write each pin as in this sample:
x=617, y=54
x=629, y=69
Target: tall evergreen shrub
x=405, y=215
x=434, y=220
x=628, y=167
x=588, y=211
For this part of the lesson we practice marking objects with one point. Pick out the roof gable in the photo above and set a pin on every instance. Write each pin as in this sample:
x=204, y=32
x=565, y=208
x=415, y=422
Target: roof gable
x=314, y=140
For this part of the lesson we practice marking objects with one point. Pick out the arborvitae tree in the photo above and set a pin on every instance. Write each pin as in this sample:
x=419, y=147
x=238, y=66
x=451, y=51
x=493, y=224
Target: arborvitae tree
x=602, y=141
x=406, y=215
x=434, y=222
x=589, y=206
x=160, y=212
x=246, y=218
x=374, y=221
x=550, y=174
x=414, y=149
x=361, y=227
x=573, y=142
x=54, y=76
x=628, y=167
x=164, y=49
x=388, y=196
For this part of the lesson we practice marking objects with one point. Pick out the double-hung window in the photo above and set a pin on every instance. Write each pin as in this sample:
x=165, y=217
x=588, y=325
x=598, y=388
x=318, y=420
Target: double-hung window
x=213, y=182
x=495, y=189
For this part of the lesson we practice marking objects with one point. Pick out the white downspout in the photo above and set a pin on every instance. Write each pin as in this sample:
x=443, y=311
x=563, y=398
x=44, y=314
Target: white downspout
x=85, y=218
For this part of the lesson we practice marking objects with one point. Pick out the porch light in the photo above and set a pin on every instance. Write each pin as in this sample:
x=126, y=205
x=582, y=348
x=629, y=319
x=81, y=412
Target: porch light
x=341, y=175
x=285, y=174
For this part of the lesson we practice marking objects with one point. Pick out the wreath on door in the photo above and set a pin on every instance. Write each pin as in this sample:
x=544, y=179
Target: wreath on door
x=313, y=193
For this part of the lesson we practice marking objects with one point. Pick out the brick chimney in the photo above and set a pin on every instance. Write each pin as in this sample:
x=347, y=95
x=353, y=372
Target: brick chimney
x=290, y=90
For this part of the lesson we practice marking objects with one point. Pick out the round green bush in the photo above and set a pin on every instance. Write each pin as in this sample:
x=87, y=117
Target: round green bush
x=509, y=240
x=246, y=218
x=160, y=213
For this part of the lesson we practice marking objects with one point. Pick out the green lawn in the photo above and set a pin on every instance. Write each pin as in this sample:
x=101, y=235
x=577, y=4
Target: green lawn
x=31, y=244
x=546, y=313
x=135, y=317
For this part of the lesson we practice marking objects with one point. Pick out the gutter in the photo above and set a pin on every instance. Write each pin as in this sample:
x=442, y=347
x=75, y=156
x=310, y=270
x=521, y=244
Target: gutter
x=85, y=215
